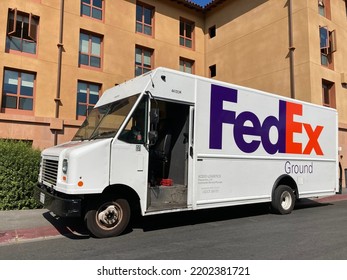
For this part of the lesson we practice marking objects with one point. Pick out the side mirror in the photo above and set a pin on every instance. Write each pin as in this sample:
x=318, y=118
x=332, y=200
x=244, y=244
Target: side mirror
x=153, y=137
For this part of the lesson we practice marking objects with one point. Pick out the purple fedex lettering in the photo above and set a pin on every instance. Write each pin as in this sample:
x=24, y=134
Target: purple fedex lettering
x=218, y=115
x=246, y=123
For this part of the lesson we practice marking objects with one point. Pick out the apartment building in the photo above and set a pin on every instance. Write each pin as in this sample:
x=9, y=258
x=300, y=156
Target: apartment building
x=57, y=57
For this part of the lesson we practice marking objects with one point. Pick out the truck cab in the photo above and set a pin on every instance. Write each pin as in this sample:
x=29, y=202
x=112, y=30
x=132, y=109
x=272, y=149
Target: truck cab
x=129, y=155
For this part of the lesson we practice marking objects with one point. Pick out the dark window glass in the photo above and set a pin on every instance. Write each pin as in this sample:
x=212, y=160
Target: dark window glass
x=92, y=8
x=95, y=61
x=18, y=90
x=87, y=97
x=10, y=102
x=90, y=50
x=97, y=3
x=212, y=31
x=97, y=14
x=21, y=32
x=213, y=71
x=81, y=110
x=25, y=104
x=144, y=19
x=85, y=10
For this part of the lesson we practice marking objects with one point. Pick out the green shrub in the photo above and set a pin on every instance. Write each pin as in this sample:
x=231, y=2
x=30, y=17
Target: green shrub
x=19, y=169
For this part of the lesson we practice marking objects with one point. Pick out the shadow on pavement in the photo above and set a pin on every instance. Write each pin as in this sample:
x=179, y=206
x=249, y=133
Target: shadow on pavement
x=72, y=228
x=309, y=203
x=201, y=216
x=171, y=220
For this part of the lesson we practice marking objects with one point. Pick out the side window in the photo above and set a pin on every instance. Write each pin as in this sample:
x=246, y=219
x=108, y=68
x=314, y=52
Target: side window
x=21, y=32
x=186, y=65
x=324, y=8
x=213, y=70
x=328, y=94
x=144, y=19
x=212, y=31
x=90, y=52
x=327, y=46
x=92, y=8
x=143, y=60
x=87, y=97
x=18, y=92
x=136, y=129
x=186, y=33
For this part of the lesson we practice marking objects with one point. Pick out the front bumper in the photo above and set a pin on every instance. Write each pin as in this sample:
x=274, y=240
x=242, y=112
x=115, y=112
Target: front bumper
x=68, y=206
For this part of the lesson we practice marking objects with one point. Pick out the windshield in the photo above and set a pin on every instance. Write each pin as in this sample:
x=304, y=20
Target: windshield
x=105, y=121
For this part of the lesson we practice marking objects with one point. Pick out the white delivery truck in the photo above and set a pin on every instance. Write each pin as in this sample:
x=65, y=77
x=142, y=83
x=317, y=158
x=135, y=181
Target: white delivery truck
x=168, y=141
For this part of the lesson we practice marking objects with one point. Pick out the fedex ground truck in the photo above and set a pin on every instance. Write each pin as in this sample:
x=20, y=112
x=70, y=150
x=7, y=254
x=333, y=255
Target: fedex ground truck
x=168, y=141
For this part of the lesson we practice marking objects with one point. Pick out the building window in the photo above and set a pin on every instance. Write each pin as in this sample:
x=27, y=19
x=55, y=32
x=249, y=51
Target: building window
x=213, y=71
x=327, y=46
x=187, y=65
x=186, y=33
x=144, y=19
x=328, y=91
x=212, y=31
x=90, y=50
x=87, y=96
x=324, y=8
x=143, y=60
x=92, y=8
x=21, y=32
x=18, y=92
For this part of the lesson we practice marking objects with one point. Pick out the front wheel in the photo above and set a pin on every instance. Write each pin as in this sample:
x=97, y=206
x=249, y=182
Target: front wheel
x=283, y=200
x=108, y=217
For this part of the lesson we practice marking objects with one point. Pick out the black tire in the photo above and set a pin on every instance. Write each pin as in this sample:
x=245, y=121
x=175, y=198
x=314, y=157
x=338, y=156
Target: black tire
x=283, y=201
x=108, y=218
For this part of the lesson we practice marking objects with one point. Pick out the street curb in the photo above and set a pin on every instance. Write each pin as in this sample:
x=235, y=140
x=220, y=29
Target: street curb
x=19, y=235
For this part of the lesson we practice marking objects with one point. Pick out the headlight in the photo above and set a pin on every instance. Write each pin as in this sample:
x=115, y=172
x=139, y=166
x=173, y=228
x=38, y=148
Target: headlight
x=65, y=166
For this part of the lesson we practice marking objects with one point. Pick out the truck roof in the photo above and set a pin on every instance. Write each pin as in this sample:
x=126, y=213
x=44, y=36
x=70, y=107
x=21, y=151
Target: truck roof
x=160, y=82
x=165, y=83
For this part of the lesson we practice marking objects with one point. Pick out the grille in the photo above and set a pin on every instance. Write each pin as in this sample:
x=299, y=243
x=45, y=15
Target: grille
x=50, y=171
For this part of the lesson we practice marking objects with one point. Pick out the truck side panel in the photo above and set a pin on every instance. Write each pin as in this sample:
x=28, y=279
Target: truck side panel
x=247, y=139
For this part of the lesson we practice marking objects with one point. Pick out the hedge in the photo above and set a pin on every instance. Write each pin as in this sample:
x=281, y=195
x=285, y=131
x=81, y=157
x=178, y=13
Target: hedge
x=19, y=169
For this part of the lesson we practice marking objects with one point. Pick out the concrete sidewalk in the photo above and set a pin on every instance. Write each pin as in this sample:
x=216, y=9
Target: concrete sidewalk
x=26, y=225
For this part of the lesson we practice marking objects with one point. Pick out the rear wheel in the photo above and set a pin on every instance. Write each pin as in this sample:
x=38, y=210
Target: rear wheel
x=283, y=201
x=110, y=217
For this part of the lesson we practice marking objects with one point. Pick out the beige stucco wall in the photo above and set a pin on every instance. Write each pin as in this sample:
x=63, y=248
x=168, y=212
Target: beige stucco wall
x=250, y=46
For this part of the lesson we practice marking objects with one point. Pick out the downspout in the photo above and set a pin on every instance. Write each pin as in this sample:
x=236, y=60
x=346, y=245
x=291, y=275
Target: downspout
x=60, y=53
x=291, y=48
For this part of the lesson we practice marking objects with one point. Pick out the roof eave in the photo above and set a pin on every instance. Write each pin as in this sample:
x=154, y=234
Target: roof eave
x=189, y=4
x=213, y=5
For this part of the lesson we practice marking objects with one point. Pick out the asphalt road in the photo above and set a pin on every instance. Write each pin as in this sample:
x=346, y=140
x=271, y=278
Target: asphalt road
x=311, y=231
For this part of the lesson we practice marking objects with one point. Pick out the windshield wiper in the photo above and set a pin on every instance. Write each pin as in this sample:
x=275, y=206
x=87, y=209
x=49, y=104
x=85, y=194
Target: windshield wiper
x=78, y=137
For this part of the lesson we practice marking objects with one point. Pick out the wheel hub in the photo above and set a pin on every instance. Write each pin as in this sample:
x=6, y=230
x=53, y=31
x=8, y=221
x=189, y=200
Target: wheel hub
x=286, y=200
x=109, y=216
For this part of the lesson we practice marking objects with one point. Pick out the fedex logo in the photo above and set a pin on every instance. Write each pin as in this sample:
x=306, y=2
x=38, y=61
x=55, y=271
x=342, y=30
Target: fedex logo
x=248, y=124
